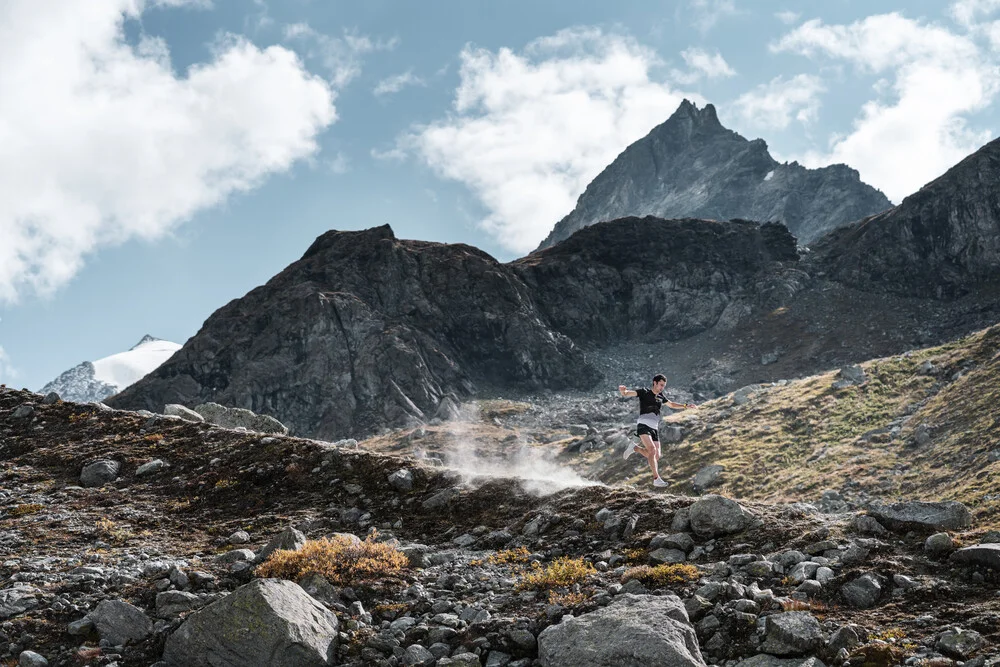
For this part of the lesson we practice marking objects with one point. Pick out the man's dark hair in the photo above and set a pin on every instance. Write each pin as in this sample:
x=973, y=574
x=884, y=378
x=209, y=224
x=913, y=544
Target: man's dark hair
x=659, y=376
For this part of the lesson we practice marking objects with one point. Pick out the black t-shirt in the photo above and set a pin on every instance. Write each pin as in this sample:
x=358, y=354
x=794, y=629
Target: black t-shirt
x=650, y=402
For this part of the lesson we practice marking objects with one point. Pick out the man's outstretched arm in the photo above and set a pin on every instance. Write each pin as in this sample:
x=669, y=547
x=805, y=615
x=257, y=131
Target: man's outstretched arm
x=626, y=393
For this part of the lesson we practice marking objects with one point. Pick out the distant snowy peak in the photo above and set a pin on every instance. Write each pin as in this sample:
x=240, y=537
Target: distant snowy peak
x=95, y=381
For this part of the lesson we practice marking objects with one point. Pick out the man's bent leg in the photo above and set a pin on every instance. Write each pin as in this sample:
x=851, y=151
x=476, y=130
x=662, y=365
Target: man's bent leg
x=650, y=453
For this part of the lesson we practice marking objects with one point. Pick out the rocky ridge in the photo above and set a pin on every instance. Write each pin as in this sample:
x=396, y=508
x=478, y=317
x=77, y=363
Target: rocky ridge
x=691, y=166
x=133, y=571
x=942, y=241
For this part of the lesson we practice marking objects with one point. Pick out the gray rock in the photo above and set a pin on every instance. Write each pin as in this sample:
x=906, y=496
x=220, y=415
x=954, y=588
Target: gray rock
x=938, y=544
x=50, y=398
x=948, y=515
x=845, y=637
x=150, y=468
x=960, y=644
x=119, y=622
x=225, y=417
x=682, y=541
x=24, y=411
x=715, y=515
x=707, y=477
x=663, y=555
x=99, y=473
x=268, y=622
x=239, y=537
x=234, y=556
x=289, y=539
x=416, y=655
x=681, y=520
x=460, y=660
x=863, y=592
x=633, y=631
x=185, y=413
x=850, y=375
x=17, y=600
x=172, y=603
x=803, y=571
x=31, y=659
x=764, y=660
x=402, y=480
x=80, y=627
x=441, y=499
x=867, y=525
x=987, y=555
x=792, y=633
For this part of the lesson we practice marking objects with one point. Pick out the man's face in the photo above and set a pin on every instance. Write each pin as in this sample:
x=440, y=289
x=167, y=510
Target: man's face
x=659, y=385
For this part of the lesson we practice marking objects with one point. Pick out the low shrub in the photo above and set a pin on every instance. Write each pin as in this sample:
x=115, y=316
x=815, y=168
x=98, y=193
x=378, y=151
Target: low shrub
x=342, y=561
x=560, y=573
x=662, y=575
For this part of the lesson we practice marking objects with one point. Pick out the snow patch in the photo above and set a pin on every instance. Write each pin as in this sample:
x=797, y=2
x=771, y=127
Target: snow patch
x=127, y=368
x=770, y=174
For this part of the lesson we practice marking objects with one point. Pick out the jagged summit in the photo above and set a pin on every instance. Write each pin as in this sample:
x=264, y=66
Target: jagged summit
x=145, y=340
x=692, y=166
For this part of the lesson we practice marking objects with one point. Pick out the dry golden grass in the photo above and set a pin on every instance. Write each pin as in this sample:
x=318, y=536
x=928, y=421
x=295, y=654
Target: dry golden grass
x=26, y=509
x=567, y=599
x=560, y=573
x=107, y=529
x=340, y=560
x=662, y=575
x=791, y=442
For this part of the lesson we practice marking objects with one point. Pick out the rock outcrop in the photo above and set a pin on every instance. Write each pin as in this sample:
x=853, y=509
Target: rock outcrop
x=942, y=241
x=692, y=166
x=634, y=276
x=367, y=330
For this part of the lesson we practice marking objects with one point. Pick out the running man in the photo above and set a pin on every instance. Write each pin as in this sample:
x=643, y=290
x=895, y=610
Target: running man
x=647, y=425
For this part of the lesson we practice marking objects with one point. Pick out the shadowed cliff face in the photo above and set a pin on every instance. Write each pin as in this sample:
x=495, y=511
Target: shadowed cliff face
x=692, y=166
x=367, y=330
x=646, y=278
x=942, y=241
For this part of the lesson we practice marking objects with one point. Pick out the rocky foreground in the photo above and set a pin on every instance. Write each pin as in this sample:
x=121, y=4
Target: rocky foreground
x=132, y=538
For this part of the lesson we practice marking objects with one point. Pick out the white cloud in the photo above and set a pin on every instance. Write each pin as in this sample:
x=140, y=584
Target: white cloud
x=394, y=84
x=967, y=12
x=101, y=142
x=530, y=130
x=706, y=13
x=774, y=104
x=702, y=63
x=917, y=127
x=340, y=56
x=787, y=17
x=7, y=371
x=340, y=164
x=394, y=154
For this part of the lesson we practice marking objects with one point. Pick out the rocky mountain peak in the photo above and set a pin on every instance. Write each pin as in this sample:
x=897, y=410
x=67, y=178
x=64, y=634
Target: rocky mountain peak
x=691, y=166
x=144, y=340
x=336, y=239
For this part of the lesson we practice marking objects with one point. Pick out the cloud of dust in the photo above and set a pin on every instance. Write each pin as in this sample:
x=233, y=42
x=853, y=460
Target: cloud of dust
x=533, y=466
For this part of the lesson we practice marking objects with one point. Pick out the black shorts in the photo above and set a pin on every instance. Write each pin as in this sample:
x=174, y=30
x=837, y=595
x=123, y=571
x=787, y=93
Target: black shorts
x=642, y=429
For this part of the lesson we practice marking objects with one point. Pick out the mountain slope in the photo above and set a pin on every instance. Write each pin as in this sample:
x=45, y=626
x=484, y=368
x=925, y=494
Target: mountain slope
x=692, y=166
x=96, y=380
x=942, y=241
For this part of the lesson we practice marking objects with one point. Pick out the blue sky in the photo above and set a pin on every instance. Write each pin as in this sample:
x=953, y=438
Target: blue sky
x=160, y=158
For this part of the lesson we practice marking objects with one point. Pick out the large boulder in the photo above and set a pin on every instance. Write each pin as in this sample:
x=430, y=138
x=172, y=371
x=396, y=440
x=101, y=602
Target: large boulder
x=268, y=622
x=863, y=592
x=792, y=633
x=715, y=515
x=290, y=539
x=225, y=417
x=987, y=555
x=99, y=473
x=119, y=622
x=948, y=515
x=634, y=631
x=17, y=600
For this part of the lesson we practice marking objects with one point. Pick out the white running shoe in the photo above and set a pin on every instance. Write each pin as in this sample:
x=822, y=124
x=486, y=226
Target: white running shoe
x=629, y=451
x=659, y=482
